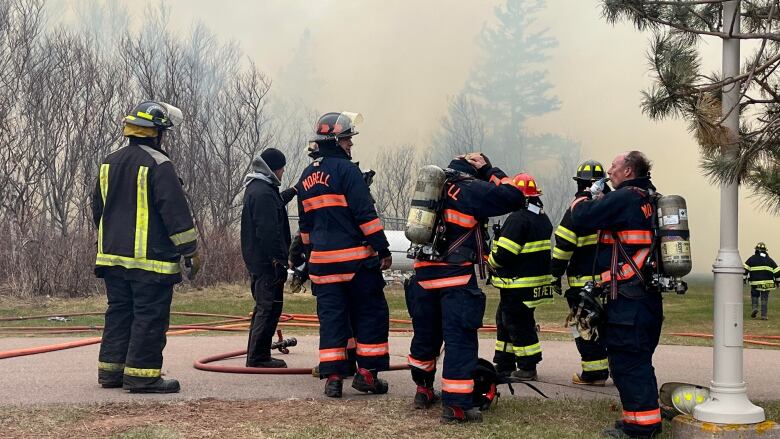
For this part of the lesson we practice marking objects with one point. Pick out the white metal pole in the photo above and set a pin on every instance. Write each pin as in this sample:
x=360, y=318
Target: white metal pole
x=729, y=403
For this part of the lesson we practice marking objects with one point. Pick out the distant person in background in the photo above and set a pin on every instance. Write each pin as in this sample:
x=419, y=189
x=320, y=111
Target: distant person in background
x=763, y=275
x=265, y=244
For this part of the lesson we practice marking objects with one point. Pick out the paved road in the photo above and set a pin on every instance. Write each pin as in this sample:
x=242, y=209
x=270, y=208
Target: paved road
x=70, y=376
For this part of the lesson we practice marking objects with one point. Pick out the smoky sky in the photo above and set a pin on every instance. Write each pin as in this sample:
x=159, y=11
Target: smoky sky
x=399, y=62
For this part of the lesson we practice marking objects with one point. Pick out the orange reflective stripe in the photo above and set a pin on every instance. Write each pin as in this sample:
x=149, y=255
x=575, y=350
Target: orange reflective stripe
x=459, y=218
x=331, y=278
x=328, y=200
x=498, y=181
x=421, y=364
x=577, y=201
x=373, y=350
x=648, y=417
x=305, y=238
x=633, y=237
x=335, y=354
x=457, y=386
x=626, y=272
x=343, y=255
x=445, y=282
x=372, y=226
x=423, y=264
x=351, y=344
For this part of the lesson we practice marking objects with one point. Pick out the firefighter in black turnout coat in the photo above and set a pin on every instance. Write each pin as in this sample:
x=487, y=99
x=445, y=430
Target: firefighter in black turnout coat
x=443, y=298
x=265, y=243
x=573, y=256
x=763, y=275
x=144, y=228
x=347, y=251
x=520, y=259
x=634, y=314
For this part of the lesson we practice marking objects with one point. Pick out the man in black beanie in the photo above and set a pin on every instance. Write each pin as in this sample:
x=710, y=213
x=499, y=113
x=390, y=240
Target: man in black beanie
x=265, y=243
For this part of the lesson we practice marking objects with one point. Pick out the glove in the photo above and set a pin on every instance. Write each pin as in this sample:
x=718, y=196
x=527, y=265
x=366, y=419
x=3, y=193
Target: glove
x=557, y=287
x=280, y=272
x=597, y=188
x=192, y=265
x=744, y=280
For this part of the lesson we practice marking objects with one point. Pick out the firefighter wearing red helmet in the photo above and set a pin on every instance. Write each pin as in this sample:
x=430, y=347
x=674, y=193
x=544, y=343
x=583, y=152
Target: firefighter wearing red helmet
x=520, y=258
x=348, y=250
x=443, y=297
x=573, y=255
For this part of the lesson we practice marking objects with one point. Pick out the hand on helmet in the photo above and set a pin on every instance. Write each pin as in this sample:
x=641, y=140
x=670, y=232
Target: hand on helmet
x=476, y=159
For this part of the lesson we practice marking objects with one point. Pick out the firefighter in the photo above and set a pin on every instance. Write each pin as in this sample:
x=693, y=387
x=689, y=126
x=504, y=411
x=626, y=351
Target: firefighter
x=763, y=275
x=347, y=250
x=144, y=228
x=520, y=260
x=633, y=314
x=573, y=255
x=265, y=244
x=443, y=298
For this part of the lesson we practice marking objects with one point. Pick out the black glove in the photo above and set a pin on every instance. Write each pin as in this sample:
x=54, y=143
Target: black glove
x=280, y=272
x=557, y=287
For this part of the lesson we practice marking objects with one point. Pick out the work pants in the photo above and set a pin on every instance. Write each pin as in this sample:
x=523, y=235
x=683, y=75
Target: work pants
x=268, y=292
x=450, y=315
x=136, y=320
x=358, y=309
x=630, y=335
x=516, y=339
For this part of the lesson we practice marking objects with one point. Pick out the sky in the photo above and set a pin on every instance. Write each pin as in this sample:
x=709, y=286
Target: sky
x=399, y=62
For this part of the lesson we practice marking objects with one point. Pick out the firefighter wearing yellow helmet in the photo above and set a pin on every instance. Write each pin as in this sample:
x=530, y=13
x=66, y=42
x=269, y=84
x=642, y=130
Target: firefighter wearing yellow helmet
x=144, y=229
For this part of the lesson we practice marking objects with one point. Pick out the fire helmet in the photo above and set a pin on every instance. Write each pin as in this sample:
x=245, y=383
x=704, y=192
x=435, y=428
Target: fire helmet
x=589, y=171
x=527, y=185
x=152, y=114
x=761, y=247
x=485, y=381
x=335, y=126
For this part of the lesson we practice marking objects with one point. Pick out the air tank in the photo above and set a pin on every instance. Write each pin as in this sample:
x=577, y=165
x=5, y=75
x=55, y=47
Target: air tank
x=422, y=215
x=675, y=243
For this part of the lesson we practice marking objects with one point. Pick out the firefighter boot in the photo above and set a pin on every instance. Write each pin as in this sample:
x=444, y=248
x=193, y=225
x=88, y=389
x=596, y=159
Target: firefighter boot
x=270, y=363
x=150, y=385
x=425, y=397
x=597, y=382
x=333, y=386
x=525, y=374
x=110, y=379
x=618, y=432
x=367, y=381
x=452, y=414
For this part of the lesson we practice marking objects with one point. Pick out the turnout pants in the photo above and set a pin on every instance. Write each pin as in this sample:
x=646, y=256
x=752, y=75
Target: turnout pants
x=759, y=296
x=516, y=339
x=358, y=309
x=592, y=353
x=268, y=292
x=136, y=320
x=450, y=315
x=630, y=335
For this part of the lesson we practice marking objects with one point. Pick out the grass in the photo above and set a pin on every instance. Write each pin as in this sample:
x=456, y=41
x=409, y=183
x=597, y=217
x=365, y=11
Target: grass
x=691, y=312
x=374, y=417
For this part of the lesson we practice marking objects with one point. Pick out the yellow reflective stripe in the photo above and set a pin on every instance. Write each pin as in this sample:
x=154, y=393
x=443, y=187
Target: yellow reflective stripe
x=561, y=254
x=776, y=270
x=509, y=245
x=563, y=232
x=144, y=115
x=493, y=262
x=591, y=366
x=762, y=268
x=579, y=281
x=111, y=367
x=184, y=237
x=103, y=193
x=503, y=346
x=163, y=267
x=587, y=240
x=143, y=373
x=537, y=302
x=141, y=213
x=527, y=351
x=747, y=267
x=536, y=246
x=521, y=282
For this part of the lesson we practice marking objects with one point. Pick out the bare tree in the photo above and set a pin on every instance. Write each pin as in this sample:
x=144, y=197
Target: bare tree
x=461, y=131
x=396, y=172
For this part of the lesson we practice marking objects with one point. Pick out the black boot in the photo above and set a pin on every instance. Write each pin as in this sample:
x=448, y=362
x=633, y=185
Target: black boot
x=333, y=386
x=271, y=363
x=150, y=385
x=367, y=381
x=525, y=374
x=452, y=414
x=425, y=397
x=109, y=379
